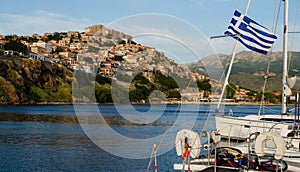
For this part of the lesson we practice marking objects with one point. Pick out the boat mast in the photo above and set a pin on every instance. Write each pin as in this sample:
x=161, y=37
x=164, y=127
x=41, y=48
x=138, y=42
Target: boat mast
x=230, y=65
x=285, y=44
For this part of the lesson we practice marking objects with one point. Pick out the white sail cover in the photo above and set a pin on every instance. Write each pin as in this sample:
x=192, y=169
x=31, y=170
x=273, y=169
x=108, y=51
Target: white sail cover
x=294, y=82
x=193, y=141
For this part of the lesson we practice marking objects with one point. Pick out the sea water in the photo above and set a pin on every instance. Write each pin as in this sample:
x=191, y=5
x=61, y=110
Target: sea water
x=50, y=138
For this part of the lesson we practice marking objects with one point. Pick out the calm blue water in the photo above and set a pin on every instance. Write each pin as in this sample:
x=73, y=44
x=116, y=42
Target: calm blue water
x=49, y=138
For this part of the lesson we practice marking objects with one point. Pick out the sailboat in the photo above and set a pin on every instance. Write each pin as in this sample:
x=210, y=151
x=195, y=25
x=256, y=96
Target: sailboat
x=252, y=156
x=275, y=146
x=285, y=124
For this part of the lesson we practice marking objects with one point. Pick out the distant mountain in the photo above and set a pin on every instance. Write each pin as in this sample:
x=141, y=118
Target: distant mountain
x=249, y=68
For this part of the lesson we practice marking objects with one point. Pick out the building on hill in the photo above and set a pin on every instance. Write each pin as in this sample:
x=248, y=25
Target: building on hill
x=2, y=42
x=86, y=37
x=63, y=48
x=74, y=34
x=107, y=70
x=47, y=46
x=74, y=66
x=67, y=54
x=48, y=56
x=37, y=49
x=94, y=29
x=65, y=42
x=10, y=52
x=36, y=56
x=88, y=69
x=196, y=76
x=25, y=43
x=75, y=46
x=191, y=95
x=53, y=42
x=277, y=93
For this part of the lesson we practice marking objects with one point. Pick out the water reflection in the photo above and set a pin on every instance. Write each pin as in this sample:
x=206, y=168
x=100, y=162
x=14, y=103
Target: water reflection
x=18, y=117
x=111, y=120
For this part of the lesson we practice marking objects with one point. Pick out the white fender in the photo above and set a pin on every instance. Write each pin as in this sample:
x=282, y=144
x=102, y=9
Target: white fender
x=278, y=140
x=193, y=140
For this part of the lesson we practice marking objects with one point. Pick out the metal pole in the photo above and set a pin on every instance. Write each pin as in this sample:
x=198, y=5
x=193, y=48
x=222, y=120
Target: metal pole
x=285, y=56
x=231, y=63
x=298, y=102
x=208, y=149
x=295, y=113
x=215, y=162
x=155, y=161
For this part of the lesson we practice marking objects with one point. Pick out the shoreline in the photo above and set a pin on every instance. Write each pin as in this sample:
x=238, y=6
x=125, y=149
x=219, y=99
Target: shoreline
x=153, y=103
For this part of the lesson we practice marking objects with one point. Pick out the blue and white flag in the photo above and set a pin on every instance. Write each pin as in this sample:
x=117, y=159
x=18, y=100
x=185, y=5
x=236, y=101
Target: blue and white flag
x=250, y=34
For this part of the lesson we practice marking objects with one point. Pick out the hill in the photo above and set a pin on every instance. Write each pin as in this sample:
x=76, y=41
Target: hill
x=251, y=66
x=28, y=81
x=47, y=76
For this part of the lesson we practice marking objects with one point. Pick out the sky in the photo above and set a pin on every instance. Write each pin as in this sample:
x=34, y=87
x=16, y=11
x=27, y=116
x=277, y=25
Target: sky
x=180, y=28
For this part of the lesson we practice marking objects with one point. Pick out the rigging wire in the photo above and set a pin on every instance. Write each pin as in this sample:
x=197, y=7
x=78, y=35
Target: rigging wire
x=176, y=111
x=207, y=114
x=293, y=37
x=274, y=29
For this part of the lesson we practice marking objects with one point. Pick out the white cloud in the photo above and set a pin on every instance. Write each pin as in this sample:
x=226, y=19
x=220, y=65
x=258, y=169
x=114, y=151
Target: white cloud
x=40, y=22
x=166, y=33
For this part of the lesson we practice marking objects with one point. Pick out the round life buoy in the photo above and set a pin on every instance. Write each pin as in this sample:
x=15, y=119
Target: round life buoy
x=194, y=143
x=277, y=139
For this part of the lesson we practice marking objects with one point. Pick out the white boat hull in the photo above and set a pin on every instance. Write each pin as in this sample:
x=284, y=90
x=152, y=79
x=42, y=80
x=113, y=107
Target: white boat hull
x=242, y=127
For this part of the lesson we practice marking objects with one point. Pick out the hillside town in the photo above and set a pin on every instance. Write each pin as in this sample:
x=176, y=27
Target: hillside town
x=97, y=49
x=104, y=51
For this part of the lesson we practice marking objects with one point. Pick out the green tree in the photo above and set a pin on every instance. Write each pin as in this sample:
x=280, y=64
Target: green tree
x=270, y=97
x=204, y=85
x=10, y=37
x=140, y=93
x=251, y=93
x=174, y=94
x=122, y=42
x=118, y=58
x=103, y=80
x=16, y=45
x=59, y=49
x=166, y=82
x=230, y=91
x=31, y=39
x=55, y=36
x=103, y=93
x=141, y=90
x=139, y=78
x=259, y=96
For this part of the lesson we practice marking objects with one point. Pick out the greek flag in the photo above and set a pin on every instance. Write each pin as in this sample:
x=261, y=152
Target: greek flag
x=250, y=34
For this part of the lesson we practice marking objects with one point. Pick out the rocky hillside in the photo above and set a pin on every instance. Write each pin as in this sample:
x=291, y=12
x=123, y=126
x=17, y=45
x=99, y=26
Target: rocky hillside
x=251, y=66
x=28, y=81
